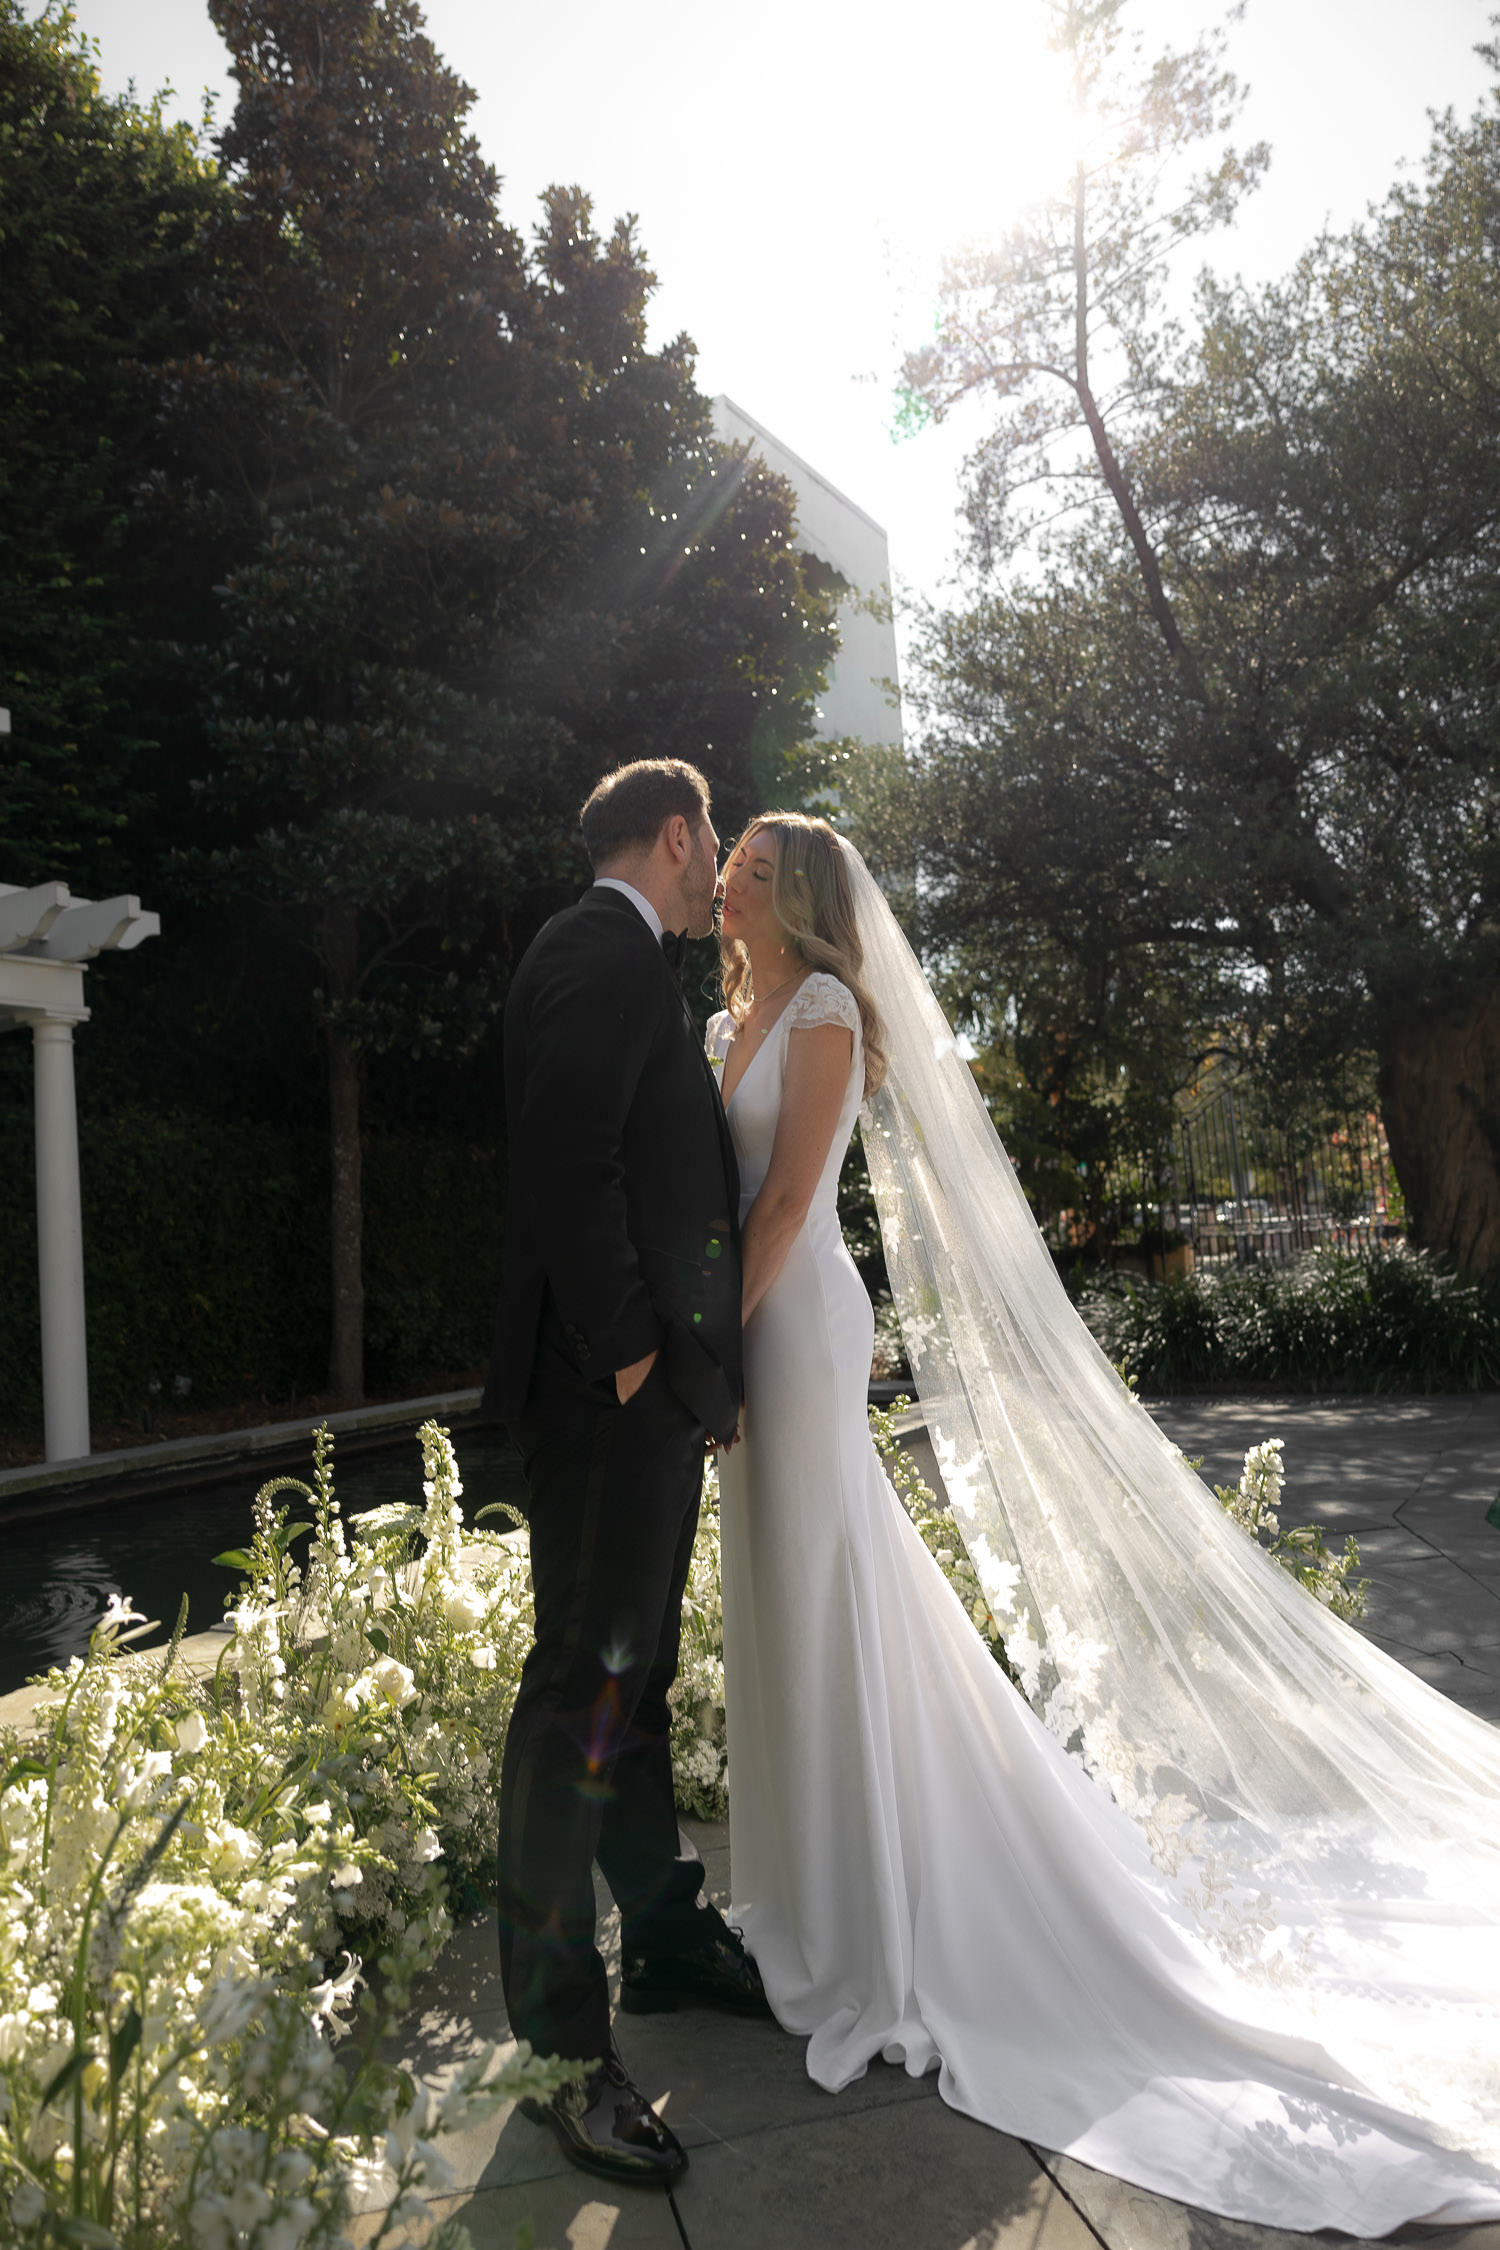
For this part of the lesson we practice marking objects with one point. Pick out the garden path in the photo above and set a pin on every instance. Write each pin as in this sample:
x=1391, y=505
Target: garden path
x=1413, y=1479
x=776, y=2164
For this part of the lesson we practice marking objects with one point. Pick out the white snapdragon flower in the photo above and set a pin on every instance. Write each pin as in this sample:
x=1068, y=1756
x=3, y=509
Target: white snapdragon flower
x=192, y=1731
x=120, y=1611
x=142, y=1785
x=346, y=1877
x=230, y=1850
x=326, y=2001
x=482, y=1656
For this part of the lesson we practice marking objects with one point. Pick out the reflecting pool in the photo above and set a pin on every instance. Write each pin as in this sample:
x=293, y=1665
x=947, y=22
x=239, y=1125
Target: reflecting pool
x=61, y=1568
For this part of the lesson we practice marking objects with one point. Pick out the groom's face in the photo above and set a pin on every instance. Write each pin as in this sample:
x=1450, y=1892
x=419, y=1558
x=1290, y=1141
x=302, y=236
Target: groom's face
x=700, y=882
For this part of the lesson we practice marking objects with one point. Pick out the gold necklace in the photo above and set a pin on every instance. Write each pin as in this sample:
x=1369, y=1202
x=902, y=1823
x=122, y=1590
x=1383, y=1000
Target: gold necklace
x=767, y=1029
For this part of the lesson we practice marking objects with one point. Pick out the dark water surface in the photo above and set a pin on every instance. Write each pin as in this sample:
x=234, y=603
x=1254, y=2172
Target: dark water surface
x=57, y=1571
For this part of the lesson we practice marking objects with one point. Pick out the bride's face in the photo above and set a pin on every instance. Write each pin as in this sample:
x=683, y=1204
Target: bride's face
x=748, y=915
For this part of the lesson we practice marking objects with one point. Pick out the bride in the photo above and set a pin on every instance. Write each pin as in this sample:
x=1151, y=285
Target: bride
x=1215, y=1905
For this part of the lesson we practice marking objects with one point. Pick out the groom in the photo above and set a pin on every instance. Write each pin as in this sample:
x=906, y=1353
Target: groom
x=617, y=1351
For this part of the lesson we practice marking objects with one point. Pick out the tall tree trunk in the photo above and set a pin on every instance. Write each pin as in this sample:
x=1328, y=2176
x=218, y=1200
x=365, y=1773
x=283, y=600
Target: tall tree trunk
x=346, y=1355
x=1440, y=1098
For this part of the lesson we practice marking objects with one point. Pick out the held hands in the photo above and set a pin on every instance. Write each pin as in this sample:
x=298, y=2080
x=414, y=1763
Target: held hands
x=628, y=1380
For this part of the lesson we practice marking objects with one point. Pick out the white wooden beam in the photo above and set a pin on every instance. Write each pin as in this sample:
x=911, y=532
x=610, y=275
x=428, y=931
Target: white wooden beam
x=89, y=926
x=28, y=915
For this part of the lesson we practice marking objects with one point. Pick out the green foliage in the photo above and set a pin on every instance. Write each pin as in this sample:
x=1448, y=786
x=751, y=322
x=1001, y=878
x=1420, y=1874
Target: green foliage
x=348, y=537
x=1230, y=752
x=191, y=1227
x=1391, y=1320
x=104, y=209
x=477, y=541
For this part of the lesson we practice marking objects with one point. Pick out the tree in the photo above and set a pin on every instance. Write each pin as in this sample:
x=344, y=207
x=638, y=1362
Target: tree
x=104, y=270
x=473, y=542
x=1336, y=466
x=1061, y=323
x=1306, y=816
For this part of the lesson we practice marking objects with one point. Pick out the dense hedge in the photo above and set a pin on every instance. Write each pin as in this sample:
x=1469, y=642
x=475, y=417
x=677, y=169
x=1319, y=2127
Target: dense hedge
x=206, y=1258
x=1387, y=1320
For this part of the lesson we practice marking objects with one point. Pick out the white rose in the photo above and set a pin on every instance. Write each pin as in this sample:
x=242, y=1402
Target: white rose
x=394, y=1681
x=464, y=1608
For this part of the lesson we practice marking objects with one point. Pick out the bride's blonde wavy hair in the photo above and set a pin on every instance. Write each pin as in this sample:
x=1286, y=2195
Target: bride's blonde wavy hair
x=814, y=904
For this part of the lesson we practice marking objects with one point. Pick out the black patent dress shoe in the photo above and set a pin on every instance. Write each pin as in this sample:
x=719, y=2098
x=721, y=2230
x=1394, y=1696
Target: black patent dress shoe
x=605, y=2125
x=717, y=1974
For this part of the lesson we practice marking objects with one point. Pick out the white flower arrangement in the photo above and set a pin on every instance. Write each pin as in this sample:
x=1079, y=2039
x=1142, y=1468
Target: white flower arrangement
x=194, y=1872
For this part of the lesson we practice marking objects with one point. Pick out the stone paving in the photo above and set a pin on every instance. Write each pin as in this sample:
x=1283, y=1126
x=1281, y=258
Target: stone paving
x=776, y=2164
x=1413, y=1479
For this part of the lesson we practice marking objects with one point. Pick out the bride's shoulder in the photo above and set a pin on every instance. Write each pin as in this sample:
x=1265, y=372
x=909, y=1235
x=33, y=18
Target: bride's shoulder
x=822, y=999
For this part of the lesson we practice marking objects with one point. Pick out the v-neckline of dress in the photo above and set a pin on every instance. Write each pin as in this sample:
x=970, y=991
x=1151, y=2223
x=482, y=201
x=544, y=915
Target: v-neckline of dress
x=731, y=1099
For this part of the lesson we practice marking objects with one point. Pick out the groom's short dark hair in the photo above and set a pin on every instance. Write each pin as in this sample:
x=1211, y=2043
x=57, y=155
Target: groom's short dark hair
x=631, y=806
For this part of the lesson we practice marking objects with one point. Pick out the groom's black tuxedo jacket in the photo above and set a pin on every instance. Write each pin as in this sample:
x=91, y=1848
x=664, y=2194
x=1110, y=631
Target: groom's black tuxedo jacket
x=622, y=1218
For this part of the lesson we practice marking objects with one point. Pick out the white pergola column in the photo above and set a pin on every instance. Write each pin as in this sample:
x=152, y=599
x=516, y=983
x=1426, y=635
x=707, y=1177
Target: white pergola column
x=59, y=1239
x=46, y=937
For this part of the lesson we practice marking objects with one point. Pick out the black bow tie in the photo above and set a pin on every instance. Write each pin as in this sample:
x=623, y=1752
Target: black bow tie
x=674, y=946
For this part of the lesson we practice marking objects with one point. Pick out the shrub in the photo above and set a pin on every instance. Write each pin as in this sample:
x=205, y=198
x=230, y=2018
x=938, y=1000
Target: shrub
x=1391, y=1319
x=191, y=1225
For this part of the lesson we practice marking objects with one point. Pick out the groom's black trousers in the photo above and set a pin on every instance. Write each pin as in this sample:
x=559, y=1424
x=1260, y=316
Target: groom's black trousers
x=588, y=1772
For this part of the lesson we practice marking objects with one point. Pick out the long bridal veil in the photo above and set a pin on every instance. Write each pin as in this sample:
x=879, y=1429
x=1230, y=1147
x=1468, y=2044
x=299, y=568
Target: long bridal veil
x=1324, y=1821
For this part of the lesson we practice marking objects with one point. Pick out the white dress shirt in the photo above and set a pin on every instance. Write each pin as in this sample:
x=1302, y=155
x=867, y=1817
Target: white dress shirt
x=642, y=905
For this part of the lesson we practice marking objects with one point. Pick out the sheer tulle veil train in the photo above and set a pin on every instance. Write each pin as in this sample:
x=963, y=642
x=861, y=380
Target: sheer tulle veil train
x=1328, y=1824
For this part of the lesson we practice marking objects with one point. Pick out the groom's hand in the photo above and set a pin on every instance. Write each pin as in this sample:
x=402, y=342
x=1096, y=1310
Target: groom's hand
x=628, y=1380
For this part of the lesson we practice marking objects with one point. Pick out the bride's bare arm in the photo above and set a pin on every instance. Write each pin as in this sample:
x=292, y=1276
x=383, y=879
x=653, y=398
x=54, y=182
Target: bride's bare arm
x=817, y=1074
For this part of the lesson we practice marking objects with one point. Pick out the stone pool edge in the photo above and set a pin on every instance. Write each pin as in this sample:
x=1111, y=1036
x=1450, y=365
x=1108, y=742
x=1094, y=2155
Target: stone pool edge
x=94, y=1479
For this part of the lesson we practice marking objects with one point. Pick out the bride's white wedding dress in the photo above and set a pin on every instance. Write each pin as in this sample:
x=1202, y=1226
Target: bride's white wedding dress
x=923, y=1872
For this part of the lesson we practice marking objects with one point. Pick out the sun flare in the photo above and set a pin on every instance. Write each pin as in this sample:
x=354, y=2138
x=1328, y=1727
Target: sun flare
x=988, y=126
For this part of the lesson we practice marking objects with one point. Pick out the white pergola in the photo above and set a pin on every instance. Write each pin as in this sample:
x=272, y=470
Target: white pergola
x=46, y=938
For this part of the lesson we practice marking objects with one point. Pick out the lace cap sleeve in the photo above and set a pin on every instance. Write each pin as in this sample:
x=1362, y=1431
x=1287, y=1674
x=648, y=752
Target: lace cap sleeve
x=822, y=999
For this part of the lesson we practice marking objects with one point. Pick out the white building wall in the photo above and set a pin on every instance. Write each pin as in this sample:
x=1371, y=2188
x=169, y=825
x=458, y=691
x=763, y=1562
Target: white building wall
x=838, y=533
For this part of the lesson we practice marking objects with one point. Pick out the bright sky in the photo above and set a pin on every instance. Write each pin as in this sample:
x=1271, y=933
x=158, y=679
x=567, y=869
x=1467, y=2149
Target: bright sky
x=796, y=165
